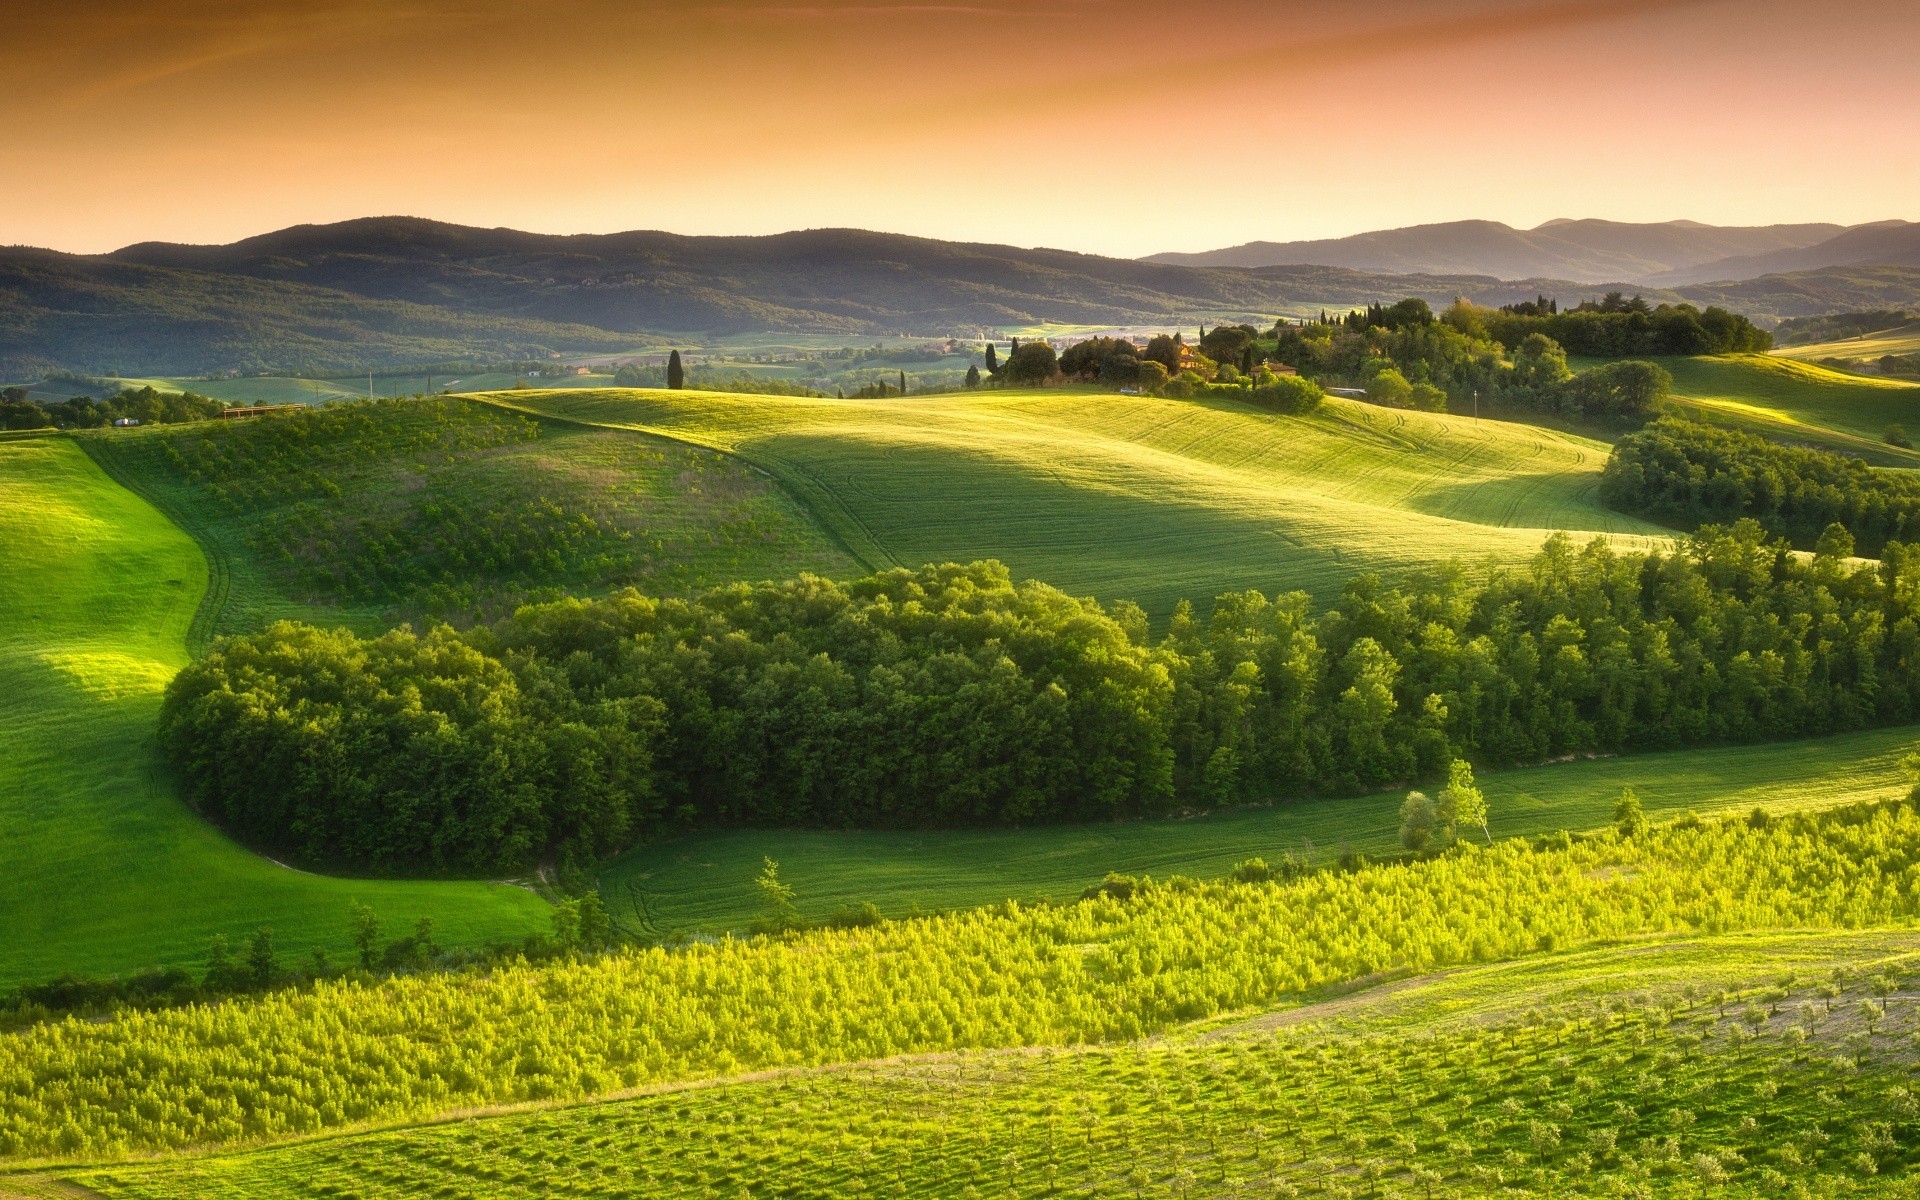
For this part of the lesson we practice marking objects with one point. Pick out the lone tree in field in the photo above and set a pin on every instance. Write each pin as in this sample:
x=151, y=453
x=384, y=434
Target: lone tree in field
x=973, y=376
x=993, y=360
x=366, y=931
x=781, y=912
x=1628, y=815
x=676, y=374
x=1418, y=822
x=1462, y=803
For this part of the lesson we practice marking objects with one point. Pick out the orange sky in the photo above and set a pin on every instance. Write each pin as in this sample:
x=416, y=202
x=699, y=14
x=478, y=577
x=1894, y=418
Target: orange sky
x=1117, y=127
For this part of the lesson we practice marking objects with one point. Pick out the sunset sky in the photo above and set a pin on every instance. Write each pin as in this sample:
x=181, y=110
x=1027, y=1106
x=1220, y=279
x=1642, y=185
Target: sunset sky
x=1116, y=127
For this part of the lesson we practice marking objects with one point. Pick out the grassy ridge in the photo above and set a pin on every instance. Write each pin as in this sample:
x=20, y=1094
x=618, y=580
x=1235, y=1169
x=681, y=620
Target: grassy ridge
x=1142, y=498
x=363, y=514
x=704, y=882
x=1566, y=1075
x=101, y=868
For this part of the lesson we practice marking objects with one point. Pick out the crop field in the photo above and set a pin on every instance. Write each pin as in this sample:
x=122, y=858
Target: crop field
x=1699, y=1067
x=704, y=882
x=102, y=869
x=1141, y=498
x=1796, y=401
x=444, y=507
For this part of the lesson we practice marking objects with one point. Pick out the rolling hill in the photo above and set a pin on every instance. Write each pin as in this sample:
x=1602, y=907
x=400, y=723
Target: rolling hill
x=102, y=868
x=1136, y=497
x=1588, y=252
x=1884, y=243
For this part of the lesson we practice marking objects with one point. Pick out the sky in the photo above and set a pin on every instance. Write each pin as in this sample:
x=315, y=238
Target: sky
x=1111, y=126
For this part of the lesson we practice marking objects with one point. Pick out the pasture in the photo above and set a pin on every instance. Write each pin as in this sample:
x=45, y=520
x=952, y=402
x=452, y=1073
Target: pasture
x=1903, y=340
x=705, y=882
x=1134, y=497
x=102, y=868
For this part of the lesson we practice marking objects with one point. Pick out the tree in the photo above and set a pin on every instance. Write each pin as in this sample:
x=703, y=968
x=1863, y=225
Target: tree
x=364, y=927
x=1418, y=821
x=676, y=374
x=993, y=360
x=1628, y=816
x=1539, y=366
x=1623, y=389
x=973, y=376
x=903, y=382
x=596, y=924
x=566, y=924
x=423, y=943
x=1032, y=363
x=1896, y=435
x=779, y=911
x=1390, y=388
x=1461, y=802
x=260, y=957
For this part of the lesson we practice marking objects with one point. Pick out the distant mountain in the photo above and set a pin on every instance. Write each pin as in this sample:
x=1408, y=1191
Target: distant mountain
x=1885, y=243
x=387, y=291
x=1582, y=251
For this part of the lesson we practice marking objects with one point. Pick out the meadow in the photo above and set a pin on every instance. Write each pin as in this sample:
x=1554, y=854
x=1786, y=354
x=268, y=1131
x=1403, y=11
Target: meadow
x=1126, y=965
x=704, y=883
x=1698, y=1067
x=366, y=513
x=1902, y=340
x=102, y=868
x=1140, y=498
x=1792, y=401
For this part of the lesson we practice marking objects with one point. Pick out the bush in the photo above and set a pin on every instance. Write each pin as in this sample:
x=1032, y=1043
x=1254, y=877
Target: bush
x=1896, y=435
x=1619, y=389
x=1286, y=394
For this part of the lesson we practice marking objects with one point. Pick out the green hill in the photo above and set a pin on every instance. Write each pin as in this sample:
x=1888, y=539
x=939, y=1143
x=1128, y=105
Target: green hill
x=1797, y=401
x=370, y=512
x=1137, y=497
x=102, y=869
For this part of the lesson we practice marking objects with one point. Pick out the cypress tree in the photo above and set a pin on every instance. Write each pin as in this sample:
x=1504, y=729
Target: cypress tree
x=903, y=383
x=676, y=374
x=993, y=360
x=973, y=377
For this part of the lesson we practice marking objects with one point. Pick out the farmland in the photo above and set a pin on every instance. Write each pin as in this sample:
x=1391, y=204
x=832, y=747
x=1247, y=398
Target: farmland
x=1575, y=1071
x=102, y=869
x=1789, y=400
x=1141, y=498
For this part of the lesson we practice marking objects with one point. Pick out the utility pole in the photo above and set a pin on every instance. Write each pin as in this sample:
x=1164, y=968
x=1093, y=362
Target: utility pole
x=369, y=385
x=1476, y=404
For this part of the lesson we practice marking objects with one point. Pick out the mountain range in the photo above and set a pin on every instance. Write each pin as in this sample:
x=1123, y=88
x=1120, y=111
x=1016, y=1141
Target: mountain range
x=1666, y=254
x=388, y=291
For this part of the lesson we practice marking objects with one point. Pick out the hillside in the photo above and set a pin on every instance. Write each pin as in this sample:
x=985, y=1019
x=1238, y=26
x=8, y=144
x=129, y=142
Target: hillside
x=1786, y=399
x=1137, y=497
x=102, y=868
x=371, y=512
x=1583, y=251
x=1883, y=243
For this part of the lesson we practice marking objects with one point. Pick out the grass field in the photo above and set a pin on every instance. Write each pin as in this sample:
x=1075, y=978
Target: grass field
x=1784, y=399
x=1691, y=1067
x=704, y=883
x=1141, y=498
x=1903, y=340
x=445, y=507
x=102, y=869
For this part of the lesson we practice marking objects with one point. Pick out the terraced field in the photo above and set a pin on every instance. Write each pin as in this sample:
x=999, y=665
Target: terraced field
x=1141, y=498
x=102, y=869
x=704, y=883
x=1696, y=1067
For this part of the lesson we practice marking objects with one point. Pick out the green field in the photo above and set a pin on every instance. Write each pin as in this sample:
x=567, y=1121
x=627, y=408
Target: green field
x=1133, y=497
x=1784, y=399
x=102, y=869
x=704, y=883
x=1901, y=341
x=367, y=514
x=1694, y=1067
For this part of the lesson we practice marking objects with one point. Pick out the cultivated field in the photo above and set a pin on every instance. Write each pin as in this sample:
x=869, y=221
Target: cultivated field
x=1141, y=498
x=1902, y=341
x=1799, y=402
x=102, y=869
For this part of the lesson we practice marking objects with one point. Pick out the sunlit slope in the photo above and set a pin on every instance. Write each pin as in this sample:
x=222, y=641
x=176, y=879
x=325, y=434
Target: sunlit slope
x=1582, y=1074
x=705, y=882
x=1142, y=498
x=102, y=869
x=1902, y=341
x=1780, y=398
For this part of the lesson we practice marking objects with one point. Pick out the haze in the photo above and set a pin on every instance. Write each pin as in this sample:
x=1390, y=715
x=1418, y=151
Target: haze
x=1116, y=127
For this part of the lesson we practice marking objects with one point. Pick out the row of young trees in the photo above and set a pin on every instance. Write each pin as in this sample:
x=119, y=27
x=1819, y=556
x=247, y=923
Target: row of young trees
x=951, y=696
x=18, y=410
x=1685, y=473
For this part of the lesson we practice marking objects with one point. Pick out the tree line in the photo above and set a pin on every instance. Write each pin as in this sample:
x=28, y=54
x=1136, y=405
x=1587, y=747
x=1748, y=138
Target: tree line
x=1685, y=473
x=18, y=410
x=951, y=696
